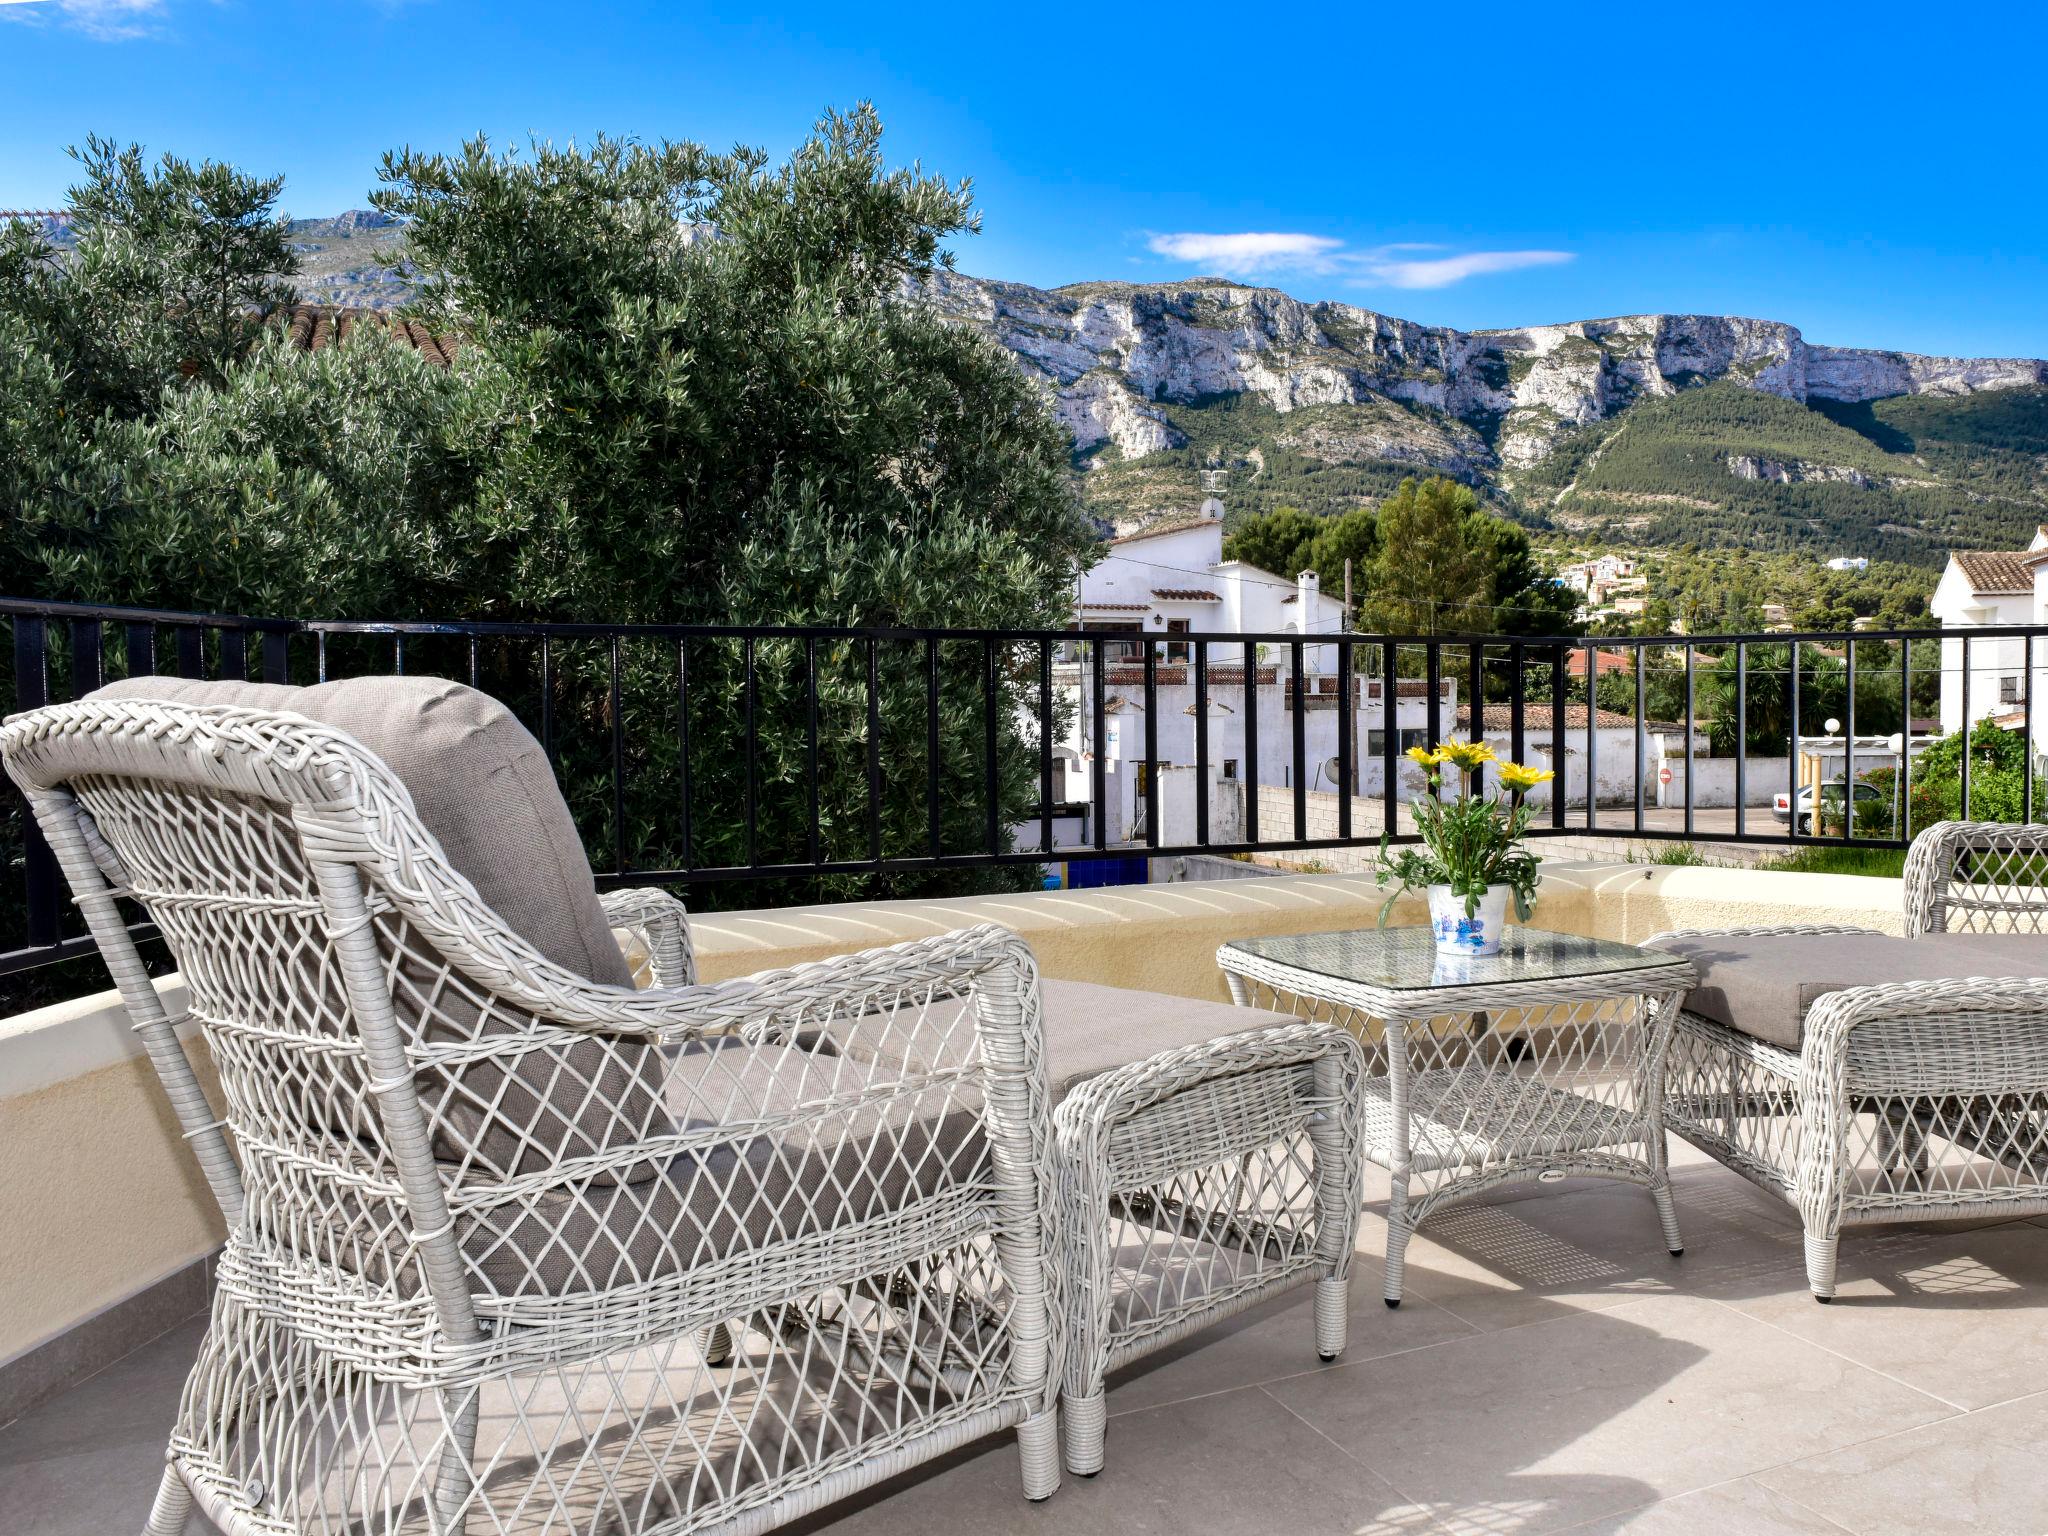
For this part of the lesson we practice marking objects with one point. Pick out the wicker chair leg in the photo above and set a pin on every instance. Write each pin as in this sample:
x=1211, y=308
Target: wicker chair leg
x=453, y=1476
x=1083, y=1421
x=1820, y=1264
x=1667, y=1217
x=716, y=1344
x=1038, y=1442
x=1397, y=1256
x=1333, y=1315
x=173, y=1506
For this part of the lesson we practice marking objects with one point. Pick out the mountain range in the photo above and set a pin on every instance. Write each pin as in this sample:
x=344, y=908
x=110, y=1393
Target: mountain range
x=1642, y=430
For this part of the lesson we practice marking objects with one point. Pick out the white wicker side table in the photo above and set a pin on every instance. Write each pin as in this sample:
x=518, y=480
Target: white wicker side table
x=1545, y=1061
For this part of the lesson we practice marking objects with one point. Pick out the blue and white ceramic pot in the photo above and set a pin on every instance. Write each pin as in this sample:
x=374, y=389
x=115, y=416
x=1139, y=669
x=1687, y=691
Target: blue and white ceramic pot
x=1478, y=934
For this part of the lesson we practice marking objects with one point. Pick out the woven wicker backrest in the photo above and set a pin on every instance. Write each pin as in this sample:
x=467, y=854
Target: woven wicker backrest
x=1978, y=877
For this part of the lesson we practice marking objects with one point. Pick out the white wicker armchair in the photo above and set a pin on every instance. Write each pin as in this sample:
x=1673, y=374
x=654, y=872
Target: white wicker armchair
x=485, y=1215
x=1902, y=1100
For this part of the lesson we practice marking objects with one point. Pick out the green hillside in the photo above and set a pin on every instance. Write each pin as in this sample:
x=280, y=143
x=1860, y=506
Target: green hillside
x=1901, y=480
x=1321, y=458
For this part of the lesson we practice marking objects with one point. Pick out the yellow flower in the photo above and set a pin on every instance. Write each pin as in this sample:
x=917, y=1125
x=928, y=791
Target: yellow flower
x=1421, y=755
x=1465, y=755
x=1521, y=779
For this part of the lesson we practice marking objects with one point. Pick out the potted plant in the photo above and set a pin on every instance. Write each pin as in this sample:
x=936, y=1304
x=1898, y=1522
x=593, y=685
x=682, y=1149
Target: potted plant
x=1471, y=859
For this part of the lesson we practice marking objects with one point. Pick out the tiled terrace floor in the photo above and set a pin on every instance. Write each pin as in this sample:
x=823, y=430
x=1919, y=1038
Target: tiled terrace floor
x=1552, y=1370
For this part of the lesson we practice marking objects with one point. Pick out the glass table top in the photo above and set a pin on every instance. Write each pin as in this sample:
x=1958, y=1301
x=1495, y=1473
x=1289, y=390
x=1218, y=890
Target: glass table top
x=1406, y=959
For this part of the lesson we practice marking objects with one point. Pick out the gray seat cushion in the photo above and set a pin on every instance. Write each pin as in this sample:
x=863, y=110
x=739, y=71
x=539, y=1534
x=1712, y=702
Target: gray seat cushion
x=1089, y=1030
x=483, y=787
x=834, y=1168
x=1763, y=985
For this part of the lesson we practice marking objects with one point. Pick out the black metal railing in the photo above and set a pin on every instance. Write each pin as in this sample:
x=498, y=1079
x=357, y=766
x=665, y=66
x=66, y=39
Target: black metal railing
x=701, y=755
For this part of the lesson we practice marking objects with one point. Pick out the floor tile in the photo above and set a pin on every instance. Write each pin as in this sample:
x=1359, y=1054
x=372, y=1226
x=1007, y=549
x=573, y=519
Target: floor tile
x=1977, y=1475
x=1957, y=1314
x=1745, y=1508
x=1225, y=1465
x=1565, y=1421
x=88, y=1463
x=1278, y=1340
x=1592, y=1247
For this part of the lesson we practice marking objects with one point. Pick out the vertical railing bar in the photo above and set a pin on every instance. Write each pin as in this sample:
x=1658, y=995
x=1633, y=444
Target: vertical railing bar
x=1151, y=742
x=1905, y=774
x=1965, y=797
x=683, y=745
x=547, y=693
x=320, y=656
x=1592, y=728
x=39, y=863
x=475, y=664
x=1045, y=744
x=398, y=654
x=1298, y=682
x=1390, y=701
x=277, y=656
x=1201, y=660
x=1477, y=685
x=234, y=654
x=1098, y=772
x=1792, y=699
x=1685, y=745
x=814, y=841
x=993, y=693
x=619, y=766
x=1251, y=742
x=1433, y=682
x=750, y=726
x=1518, y=661
x=141, y=640
x=874, y=745
x=1741, y=738
x=88, y=669
x=1639, y=664
x=2027, y=719
x=934, y=837
x=1347, y=727
x=1849, y=741
x=1560, y=763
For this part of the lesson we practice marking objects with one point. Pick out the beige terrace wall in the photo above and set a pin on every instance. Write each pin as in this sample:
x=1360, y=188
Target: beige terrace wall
x=99, y=1197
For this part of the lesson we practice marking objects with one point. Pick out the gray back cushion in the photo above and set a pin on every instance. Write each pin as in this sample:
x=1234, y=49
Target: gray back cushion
x=484, y=789
x=481, y=784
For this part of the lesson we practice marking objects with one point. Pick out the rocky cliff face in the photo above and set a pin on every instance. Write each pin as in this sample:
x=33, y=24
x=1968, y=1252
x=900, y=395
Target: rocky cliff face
x=1113, y=353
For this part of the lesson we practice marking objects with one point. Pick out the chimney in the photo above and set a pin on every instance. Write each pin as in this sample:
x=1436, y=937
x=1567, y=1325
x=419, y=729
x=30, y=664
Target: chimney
x=1305, y=587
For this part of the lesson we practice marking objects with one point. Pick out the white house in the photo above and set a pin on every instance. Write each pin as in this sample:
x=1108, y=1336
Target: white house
x=1849, y=563
x=1980, y=589
x=1172, y=579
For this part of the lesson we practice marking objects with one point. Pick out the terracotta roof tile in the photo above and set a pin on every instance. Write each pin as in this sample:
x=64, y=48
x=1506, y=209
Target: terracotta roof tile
x=1990, y=570
x=1187, y=595
x=1536, y=718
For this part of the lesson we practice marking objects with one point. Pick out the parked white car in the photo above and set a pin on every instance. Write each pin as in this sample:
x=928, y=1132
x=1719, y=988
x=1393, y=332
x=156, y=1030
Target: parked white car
x=1831, y=803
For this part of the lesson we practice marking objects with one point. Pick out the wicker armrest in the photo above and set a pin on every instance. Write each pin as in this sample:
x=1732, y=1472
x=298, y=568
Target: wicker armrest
x=663, y=923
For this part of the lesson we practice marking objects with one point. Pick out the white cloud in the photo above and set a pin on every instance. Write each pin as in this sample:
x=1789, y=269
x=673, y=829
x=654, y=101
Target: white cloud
x=1401, y=265
x=1384, y=268
x=1249, y=252
x=107, y=20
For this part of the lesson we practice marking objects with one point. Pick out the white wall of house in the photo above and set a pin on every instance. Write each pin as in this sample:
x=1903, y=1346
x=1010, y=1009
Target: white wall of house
x=1177, y=575
x=1997, y=666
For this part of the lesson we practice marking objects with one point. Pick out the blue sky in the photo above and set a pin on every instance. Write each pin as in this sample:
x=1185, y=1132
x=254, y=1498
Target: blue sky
x=1874, y=176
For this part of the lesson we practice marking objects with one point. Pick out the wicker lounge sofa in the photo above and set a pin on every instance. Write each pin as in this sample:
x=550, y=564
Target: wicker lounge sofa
x=1869, y=1078
x=516, y=1246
